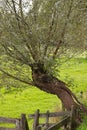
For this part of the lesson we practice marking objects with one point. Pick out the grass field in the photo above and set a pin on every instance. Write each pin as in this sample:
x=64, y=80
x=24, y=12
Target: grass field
x=29, y=100
x=76, y=72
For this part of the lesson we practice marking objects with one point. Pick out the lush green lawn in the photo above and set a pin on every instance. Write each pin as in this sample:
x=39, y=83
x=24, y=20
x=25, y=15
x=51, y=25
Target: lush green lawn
x=28, y=101
x=76, y=72
x=31, y=99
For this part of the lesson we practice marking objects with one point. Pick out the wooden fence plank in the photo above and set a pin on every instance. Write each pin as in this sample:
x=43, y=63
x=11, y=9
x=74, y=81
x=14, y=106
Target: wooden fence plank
x=20, y=124
x=7, y=120
x=36, y=120
x=59, y=124
x=3, y=128
x=47, y=120
x=73, y=118
x=54, y=114
x=23, y=123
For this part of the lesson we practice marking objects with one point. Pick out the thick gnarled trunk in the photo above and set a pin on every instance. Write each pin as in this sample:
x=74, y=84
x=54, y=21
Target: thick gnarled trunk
x=51, y=84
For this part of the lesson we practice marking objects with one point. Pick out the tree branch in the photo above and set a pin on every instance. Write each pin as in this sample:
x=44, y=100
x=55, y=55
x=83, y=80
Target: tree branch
x=29, y=48
x=22, y=15
x=16, y=15
x=18, y=18
x=16, y=78
x=50, y=30
x=21, y=11
x=20, y=59
x=63, y=32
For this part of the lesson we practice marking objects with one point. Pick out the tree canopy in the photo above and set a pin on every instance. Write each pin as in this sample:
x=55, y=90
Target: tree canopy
x=40, y=31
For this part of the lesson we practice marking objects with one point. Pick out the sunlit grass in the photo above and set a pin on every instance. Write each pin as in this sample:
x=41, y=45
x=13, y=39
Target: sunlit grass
x=76, y=70
x=28, y=101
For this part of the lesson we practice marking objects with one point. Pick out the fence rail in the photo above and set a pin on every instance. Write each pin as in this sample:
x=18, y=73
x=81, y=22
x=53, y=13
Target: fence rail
x=67, y=121
x=47, y=125
x=53, y=114
x=60, y=124
x=20, y=123
x=8, y=120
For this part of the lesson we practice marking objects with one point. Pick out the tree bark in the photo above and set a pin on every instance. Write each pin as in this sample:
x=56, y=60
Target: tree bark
x=52, y=85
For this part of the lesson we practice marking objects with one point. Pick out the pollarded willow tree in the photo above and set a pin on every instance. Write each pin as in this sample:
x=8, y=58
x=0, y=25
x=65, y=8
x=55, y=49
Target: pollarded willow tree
x=42, y=34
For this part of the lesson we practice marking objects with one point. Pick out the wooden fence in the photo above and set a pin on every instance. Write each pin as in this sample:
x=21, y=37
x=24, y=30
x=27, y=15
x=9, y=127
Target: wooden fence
x=67, y=121
x=20, y=123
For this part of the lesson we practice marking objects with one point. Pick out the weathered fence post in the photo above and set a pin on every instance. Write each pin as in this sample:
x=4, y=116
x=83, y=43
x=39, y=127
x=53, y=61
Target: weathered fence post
x=36, y=121
x=18, y=125
x=73, y=119
x=47, y=120
x=23, y=123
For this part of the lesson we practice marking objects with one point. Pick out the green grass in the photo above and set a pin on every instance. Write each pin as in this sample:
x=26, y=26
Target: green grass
x=76, y=71
x=29, y=100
